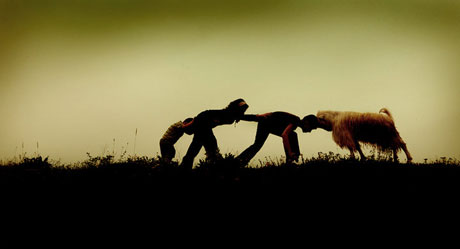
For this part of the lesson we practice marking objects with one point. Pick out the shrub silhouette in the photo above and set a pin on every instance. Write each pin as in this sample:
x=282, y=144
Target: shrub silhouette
x=327, y=172
x=34, y=163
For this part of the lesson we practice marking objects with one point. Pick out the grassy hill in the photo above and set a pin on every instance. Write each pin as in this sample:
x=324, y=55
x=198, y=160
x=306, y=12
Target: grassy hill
x=327, y=173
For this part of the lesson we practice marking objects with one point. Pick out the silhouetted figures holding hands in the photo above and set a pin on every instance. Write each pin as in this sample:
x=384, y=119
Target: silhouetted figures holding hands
x=202, y=127
x=281, y=124
x=172, y=135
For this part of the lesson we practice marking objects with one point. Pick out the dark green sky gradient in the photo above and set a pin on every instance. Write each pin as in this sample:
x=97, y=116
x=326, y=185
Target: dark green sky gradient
x=102, y=17
x=106, y=20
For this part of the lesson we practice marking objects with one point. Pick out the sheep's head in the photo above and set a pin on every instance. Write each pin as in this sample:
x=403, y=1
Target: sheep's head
x=326, y=119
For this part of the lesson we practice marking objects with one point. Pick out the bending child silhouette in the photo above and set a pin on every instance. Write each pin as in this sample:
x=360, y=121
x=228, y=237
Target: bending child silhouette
x=281, y=124
x=172, y=135
x=202, y=128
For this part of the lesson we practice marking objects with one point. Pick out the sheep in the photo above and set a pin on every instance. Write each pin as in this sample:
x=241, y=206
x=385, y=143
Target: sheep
x=375, y=129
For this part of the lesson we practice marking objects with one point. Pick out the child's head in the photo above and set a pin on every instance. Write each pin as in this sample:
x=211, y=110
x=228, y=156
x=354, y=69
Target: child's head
x=237, y=108
x=187, y=127
x=309, y=123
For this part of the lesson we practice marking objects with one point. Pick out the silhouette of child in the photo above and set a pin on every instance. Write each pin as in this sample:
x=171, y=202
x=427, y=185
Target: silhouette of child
x=281, y=124
x=172, y=135
x=203, y=125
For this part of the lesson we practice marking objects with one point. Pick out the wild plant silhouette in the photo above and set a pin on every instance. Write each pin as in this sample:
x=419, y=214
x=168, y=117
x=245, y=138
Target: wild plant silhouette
x=326, y=172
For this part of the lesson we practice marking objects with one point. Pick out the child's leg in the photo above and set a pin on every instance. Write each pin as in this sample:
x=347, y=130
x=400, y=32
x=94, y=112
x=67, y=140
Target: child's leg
x=251, y=151
x=210, y=145
x=192, y=151
x=294, y=143
x=167, y=151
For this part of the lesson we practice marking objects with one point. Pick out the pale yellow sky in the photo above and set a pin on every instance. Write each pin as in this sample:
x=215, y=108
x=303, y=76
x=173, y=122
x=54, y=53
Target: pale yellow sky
x=73, y=77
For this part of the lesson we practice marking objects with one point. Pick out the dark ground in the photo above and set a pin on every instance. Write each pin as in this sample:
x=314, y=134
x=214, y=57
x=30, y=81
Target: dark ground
x=327, y=175
x=330, y=199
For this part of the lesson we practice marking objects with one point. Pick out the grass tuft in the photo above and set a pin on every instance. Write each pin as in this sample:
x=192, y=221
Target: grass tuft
x=327, y=172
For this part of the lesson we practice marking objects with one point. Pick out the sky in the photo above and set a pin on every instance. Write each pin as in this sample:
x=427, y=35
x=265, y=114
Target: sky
x=80, y=77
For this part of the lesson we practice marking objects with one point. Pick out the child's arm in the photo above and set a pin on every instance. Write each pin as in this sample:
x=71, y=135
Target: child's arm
x=255, y=118
x=250, y=117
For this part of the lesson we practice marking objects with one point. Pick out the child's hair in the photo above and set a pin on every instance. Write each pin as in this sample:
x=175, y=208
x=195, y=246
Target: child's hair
x=236, y=105
x=237, y=108
x=187, y=120
x=188, y=127
x=312, y=120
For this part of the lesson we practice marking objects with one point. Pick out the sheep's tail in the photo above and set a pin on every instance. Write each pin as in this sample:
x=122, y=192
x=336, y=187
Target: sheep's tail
x=387, y=112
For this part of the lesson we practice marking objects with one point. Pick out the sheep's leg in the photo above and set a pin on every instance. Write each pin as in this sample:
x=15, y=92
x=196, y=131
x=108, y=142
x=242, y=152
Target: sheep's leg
x=395, y=155
x=352, y=153
x=404, y=147
x=358, y=147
